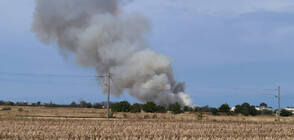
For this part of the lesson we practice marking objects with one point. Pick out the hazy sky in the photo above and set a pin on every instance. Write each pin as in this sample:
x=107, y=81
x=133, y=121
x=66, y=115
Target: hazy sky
x=226, y=51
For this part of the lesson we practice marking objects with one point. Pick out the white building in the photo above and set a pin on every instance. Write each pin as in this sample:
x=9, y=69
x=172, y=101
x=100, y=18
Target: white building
x=260, y=108
x=232, y=109
x=290, y=109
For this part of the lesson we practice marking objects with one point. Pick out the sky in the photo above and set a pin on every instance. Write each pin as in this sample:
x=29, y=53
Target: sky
x=229, y=51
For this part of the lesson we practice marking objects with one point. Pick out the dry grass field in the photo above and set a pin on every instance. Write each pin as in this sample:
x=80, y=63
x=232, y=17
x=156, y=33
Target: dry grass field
x=65, y=123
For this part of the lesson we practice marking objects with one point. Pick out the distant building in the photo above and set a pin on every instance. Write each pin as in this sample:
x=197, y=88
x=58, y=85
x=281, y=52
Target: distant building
x=260, y=108
x=289, y=109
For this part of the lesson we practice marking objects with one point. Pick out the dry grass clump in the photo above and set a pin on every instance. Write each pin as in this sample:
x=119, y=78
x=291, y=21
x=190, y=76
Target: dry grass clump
x=141, y=129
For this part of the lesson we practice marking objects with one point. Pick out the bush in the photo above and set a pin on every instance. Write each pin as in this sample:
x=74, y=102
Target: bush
x=267, y=112
x=200, y=115
x=160, y=109
x=88, y=105
x=175, y=108
x=122, y=106
x=20, y=110
x=214, y=111
x=10, y=103
x=205, y=108
x=253, y=111
x=285, y=113
x=188, y=108
x=224, y=108
x=136, y=108
x=73, y=104
x=6, y=108
x=198, y=109
x=150, y=107
x=97, y=106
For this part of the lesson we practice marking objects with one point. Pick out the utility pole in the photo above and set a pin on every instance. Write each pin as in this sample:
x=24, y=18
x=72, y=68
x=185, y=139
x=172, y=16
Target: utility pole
x=279, y=91
x=108, y=92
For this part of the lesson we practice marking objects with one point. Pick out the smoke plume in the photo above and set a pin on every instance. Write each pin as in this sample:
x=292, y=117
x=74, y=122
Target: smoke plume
x=100, y=35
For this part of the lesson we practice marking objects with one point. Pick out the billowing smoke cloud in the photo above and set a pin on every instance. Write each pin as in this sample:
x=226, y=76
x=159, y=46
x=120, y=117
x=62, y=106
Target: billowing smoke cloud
x=102, y=36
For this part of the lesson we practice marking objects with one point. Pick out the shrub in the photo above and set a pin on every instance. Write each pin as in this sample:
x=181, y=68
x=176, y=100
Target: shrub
x=73, y=104
x=205, y=108
x=136, y=108
x=285, y=113
x=160, y=109
x=6, y=108
x=97, y=105
x=253, y=111
x=224, y=108
x=188, y=108
x=214, y=111
x=122, y=106
x=20, y=109
x=200, y=115
x=267, y=112
x=149, y=107
x=197, y=109
x=88, y=105
x=175, y=108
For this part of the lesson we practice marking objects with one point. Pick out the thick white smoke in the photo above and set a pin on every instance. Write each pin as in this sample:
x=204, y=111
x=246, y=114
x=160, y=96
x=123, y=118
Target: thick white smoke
x=102, y=36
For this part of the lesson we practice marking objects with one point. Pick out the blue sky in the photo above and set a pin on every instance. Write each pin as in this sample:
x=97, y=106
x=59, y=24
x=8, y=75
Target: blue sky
x=226, y=51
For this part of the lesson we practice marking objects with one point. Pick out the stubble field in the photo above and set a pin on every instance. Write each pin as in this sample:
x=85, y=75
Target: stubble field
x=64, y=123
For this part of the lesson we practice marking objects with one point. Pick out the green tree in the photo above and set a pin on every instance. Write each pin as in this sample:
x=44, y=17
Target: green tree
x=89, y=105
x=122, y=106
x=214, y=111
x=175, y=108
x=285, y=113
x=224, y=108
x=160, y=109
x=205, y=108
x=97, y=105
x=267, y=112
x=246, y=110
x=2, y=102
x=197, y=109
x=136, y=108
x=253, y=111
x=263, y=104
x=73, y=104
x=83, y=103
x=150, y=107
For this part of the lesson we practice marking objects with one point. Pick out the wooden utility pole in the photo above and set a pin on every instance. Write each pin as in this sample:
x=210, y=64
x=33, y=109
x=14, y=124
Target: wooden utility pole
x=108, y=93
x=279, y=109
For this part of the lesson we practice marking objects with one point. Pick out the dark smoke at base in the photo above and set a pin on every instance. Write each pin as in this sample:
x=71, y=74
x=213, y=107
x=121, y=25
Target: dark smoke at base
x=101, y=36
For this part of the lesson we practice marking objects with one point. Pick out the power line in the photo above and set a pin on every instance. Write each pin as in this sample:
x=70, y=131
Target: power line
x=230, y=88
x=118, y=89
x=85, y=76
x=44, y=82
x=47, y=75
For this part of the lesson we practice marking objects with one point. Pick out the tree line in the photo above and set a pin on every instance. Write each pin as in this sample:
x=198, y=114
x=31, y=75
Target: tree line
x=124, y=106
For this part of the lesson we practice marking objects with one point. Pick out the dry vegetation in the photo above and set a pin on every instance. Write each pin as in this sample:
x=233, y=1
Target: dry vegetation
x=64, y=123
